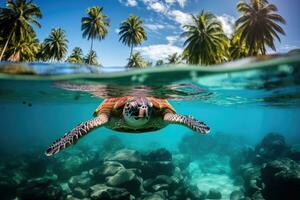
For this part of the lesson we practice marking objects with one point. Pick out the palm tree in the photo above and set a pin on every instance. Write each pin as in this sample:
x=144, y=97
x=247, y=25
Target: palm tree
x=132, y=32
x=41, y=54
x=56, y=44
x=136, y=61
x=206, y=42
x=24, y=50
x=258, y=27
x=159, y=63
x=16, y=20
x=95, y=25
x=91, y=58
x=237, y=48
x=174, y=58
x=76, y=56
x=149, y=63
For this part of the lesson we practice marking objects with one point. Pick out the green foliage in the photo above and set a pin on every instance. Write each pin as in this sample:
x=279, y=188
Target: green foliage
x=16, y=28
x=91, y=58
x=206, y=42
x=255, y=30
x=149, y=63
x=41, y=54
x=95, y=24
x=76, y=56
x=24, y=50
x=132, y=32
x=238, y=48
x=159, y=63
x=136, y=61
x=56, y=45
x=257, y=26
x=174, y=58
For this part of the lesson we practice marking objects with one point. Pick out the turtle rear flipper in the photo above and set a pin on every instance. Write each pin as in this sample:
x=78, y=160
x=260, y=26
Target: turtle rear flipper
x=76, y=133
x=188, y=121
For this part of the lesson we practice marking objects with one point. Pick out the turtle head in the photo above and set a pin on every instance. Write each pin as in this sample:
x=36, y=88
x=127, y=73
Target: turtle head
x=137, y=111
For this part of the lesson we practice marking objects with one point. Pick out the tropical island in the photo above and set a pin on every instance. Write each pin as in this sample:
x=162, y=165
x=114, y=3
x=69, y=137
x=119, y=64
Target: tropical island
x=205, y=42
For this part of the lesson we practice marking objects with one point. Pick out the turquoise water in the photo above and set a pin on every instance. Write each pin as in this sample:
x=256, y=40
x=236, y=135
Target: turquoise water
x=242, y=103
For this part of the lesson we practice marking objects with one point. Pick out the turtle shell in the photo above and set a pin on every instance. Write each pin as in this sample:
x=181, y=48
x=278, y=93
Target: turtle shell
x=118, y=102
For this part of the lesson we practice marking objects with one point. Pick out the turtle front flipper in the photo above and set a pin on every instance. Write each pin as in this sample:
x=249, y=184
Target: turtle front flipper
x=188, y=121
x=72, y=136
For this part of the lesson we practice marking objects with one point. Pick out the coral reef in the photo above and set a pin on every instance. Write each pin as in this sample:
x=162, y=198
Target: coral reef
x=119, y=175
x=270, y=171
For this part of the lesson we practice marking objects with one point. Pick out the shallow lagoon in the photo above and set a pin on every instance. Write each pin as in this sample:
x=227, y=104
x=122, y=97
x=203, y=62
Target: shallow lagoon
x=242, y=103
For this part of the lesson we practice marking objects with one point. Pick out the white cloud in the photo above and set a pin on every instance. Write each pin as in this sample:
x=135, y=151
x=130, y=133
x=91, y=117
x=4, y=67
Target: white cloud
x=170, y=26
x=172, y=39
x=170, y=1
x=159, y=51
x=227, y=22
x=154, y=27
x=155, y=5
x=130, y=3
x=180, y=17
x=117, y=30
x=175, y=39
x=287, y=47
x=180, y=2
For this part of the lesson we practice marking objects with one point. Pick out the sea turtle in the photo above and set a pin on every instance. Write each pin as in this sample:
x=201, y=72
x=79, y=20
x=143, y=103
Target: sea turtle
x=132, y=114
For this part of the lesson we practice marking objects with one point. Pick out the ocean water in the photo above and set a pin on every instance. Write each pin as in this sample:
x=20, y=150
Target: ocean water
x=252, y=152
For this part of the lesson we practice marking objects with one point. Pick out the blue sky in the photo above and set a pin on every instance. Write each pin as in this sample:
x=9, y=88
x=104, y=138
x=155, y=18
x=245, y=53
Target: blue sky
x=163, y=20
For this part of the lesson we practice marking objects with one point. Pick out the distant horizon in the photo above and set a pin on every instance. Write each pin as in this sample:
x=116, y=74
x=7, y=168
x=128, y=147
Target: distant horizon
x=163, y=23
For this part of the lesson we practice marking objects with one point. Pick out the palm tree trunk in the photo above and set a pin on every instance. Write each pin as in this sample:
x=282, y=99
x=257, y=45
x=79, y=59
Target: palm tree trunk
x=131, y=51
x=91, y=51
x=92, y=45
x=7, y=41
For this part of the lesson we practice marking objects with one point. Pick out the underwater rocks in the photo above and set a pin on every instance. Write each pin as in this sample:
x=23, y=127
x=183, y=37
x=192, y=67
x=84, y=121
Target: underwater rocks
x=9, y=182
x=72, y=162
x=104, y=192
x=282, y=179
x=158, y=155
x=155, y=196
x=214, y=194
x=108, y=168
x=158, y=162
x=152, y=164
x=83, y=180
x=114, y=173
x=271, y=171
x=130, y=174
x=153, y=169
x=237, y=195
x=294, y=152
x=272, y=146
x=40, y=188
x=181, y=160
x=128, y=158
x=188, y=192
x=126, y=178
x=161, y=182
x=144, y=176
